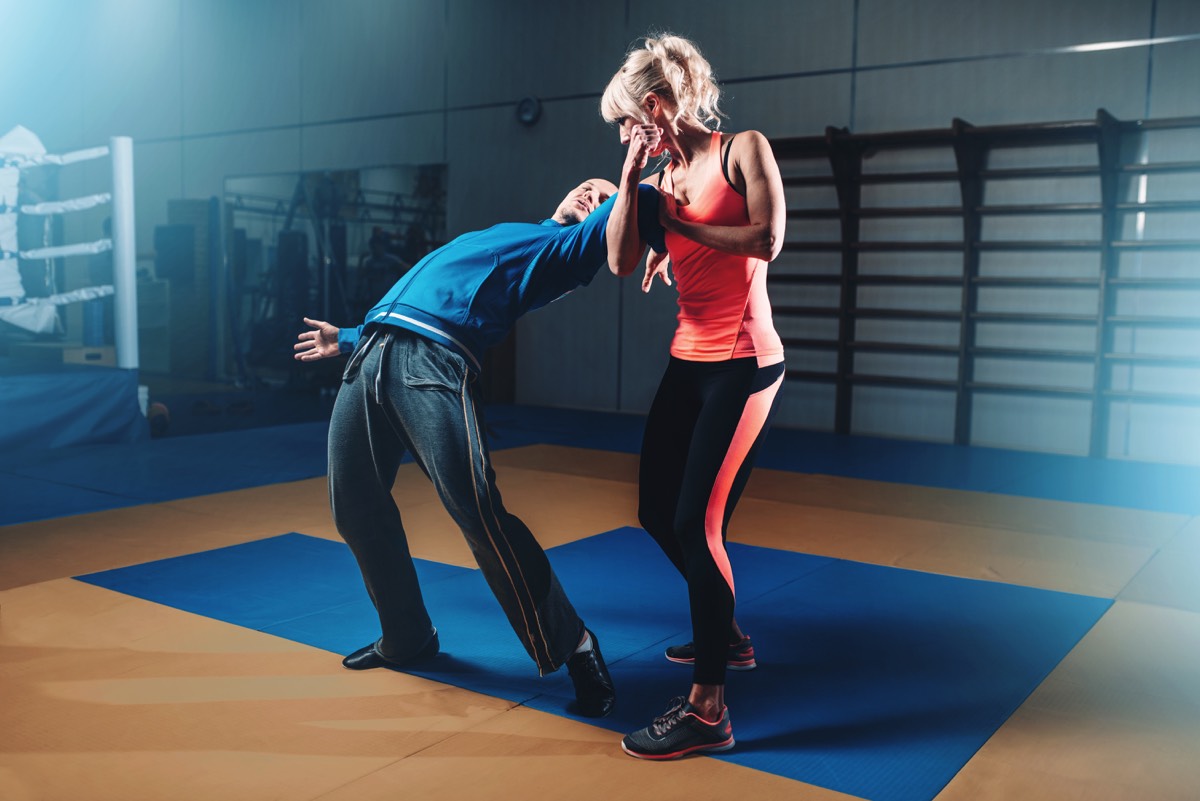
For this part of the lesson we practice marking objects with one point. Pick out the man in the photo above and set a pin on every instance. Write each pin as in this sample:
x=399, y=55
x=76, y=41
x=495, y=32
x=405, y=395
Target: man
x=410, y=386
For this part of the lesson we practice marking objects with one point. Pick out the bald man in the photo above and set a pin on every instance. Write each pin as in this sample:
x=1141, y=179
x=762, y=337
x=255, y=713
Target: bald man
x=411, y=386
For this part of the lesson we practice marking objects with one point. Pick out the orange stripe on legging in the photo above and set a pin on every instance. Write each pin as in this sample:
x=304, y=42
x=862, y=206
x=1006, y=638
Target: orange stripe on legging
x=754, y=417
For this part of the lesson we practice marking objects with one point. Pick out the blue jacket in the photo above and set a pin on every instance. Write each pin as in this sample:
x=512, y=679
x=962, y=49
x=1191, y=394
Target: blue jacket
x=468, y=293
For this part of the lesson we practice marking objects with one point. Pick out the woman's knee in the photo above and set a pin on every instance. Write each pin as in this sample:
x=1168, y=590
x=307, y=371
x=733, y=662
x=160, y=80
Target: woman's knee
x=656, y=521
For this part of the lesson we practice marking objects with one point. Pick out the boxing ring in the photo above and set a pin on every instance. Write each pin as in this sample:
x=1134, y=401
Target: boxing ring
x=68, y=405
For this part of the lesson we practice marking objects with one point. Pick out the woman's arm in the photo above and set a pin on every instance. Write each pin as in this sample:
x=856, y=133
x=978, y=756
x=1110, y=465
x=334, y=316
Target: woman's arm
x=756, y=175
x=625, y=245
x=657, y=264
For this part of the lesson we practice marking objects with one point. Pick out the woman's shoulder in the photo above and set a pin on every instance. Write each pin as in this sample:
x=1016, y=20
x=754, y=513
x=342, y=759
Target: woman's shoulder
x=749, y=138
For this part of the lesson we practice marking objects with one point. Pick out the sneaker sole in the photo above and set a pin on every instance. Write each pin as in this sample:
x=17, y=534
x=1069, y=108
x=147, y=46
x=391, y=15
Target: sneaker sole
x=751, y=665
x=695, y=749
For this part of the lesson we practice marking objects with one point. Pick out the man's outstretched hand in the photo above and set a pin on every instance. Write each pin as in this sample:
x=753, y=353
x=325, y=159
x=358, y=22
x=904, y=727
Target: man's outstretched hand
x=319, y=343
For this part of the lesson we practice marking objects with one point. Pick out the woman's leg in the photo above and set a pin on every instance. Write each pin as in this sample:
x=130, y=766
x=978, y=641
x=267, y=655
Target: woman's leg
x=737, y=401
x=668, y=434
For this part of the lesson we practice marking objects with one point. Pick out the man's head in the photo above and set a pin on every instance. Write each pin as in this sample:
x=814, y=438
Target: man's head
x=583, y=200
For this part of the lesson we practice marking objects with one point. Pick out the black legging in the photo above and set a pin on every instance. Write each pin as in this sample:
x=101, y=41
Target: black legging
x=702, y=433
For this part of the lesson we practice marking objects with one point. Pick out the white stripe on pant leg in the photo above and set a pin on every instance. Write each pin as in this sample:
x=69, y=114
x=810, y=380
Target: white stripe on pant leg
x=471, y=422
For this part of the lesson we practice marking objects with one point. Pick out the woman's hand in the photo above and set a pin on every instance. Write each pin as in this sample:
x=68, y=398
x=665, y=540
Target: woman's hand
x=643, y=141
x=320, y=343
x=668, y=210
x=656, y=265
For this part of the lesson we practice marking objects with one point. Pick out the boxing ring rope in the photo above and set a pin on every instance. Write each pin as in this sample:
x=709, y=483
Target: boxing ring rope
x=40, y=315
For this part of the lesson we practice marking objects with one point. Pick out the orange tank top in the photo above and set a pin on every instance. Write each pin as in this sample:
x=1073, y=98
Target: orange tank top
x=724, y=311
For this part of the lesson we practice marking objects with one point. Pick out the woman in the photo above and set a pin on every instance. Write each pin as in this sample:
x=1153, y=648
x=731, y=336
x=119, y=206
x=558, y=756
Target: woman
x=723, y=210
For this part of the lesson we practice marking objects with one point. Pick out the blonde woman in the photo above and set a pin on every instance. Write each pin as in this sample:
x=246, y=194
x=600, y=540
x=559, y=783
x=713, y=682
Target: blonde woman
x=722, y=208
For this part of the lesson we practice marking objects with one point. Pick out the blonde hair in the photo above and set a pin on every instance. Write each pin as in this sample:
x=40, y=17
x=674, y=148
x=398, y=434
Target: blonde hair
x=671, y=67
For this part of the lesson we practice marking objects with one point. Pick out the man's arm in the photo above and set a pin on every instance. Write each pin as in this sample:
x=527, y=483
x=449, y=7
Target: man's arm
x=324, y=341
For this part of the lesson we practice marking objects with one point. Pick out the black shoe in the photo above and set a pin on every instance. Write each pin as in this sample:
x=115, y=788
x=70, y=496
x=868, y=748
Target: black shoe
x=678, y=732
x=741, y=655
x=368, y=656
x=594, y=693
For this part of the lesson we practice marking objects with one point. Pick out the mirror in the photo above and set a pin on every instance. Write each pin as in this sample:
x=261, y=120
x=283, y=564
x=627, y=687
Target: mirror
x=325, y=244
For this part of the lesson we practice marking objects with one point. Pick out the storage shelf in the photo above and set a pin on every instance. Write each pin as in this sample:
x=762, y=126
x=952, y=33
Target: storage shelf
x=808, y=180
x=1021, y=173
x=931, y=177
x=813, y=214
x=793, y=279
x=811, y=247
x=1029, y=389
x=808, y=311
x=905, y=347
x=1160, y=244
x=1020, y=317
x=1154, y=320
x=935, y=246
x=1035, y=283
x=905, y=314
x=1033, y=245
x=1031, y=353
x=1155, y=283
x=901, y=212
x=1160, y=206
x=811, y=375
x=1104, y=180
x=1161, y=167
x=1173, y=399
x=902, y=381
x=1032, y=209
x=1150, y=358
x=810, y=344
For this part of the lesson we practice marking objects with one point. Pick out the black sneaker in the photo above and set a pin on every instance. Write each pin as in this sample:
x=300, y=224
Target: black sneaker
x=678, y=732
x=594, y=693
x=741, y=655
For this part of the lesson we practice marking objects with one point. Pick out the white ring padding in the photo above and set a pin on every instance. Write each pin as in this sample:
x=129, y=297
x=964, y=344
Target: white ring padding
x=63, y=206
x=49, y=158
x=40, y=315
x=74, y=296
x=87, y=249
x=38, y=319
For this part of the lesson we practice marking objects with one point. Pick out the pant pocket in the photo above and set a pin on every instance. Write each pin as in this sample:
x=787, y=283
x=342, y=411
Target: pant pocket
x=430, y=366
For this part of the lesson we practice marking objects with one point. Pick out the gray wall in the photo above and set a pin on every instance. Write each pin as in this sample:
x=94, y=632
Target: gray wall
x=212, y=88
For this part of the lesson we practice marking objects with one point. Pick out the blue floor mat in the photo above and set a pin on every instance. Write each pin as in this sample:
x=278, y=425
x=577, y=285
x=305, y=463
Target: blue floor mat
x=64, y=481
x=873, y=681
x=85, y=479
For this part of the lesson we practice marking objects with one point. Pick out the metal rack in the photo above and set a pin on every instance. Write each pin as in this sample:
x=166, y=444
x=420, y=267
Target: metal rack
x=973, y=200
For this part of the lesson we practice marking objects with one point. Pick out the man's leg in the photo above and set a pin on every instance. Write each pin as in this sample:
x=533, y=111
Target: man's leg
x=438, y=411
x=364, y=455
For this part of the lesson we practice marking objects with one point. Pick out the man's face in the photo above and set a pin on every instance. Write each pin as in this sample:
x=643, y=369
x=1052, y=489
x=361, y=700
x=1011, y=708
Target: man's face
x=583, y=200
